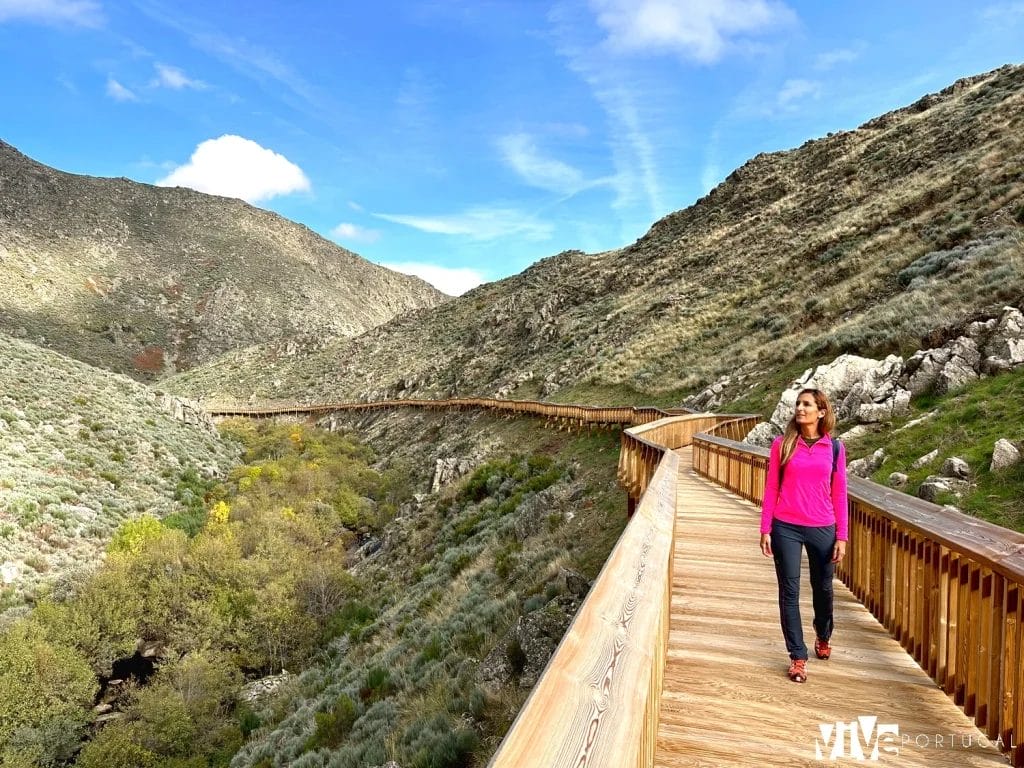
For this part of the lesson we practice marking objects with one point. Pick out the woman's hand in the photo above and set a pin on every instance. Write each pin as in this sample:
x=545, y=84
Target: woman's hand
x=766, y=544
x=839, y=551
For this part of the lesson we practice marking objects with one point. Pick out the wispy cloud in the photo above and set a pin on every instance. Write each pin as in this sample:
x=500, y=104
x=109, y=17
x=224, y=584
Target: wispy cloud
x=477, y=223
x=700, y=30
x=796, y=90
x=118, y=92
x=354, y=233
x=829, y=59
x=520, y=153
x=82, y=13
x=174, y=78
x=1004, y=12
x=237, y=167
x=454, y=281
x=633, y=153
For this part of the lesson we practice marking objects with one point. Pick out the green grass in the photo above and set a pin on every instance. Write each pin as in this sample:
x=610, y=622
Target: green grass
x=967, y=425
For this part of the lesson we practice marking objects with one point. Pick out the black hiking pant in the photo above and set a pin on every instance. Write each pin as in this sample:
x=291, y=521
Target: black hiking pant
x=787, y=542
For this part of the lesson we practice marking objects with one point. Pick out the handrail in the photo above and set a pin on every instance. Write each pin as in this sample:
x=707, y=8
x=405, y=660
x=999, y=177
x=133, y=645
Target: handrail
x=582, y=414
x=948, y=586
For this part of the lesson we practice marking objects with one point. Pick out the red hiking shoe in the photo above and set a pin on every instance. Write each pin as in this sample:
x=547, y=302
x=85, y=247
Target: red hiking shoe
x=798, y=670
x=822, y=649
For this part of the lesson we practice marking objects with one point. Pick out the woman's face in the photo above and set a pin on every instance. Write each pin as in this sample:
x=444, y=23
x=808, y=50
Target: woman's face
x=807, y=411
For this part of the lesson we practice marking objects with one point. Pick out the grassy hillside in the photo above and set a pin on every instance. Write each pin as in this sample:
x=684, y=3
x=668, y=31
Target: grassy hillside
x=81, y=451
x=966, y=425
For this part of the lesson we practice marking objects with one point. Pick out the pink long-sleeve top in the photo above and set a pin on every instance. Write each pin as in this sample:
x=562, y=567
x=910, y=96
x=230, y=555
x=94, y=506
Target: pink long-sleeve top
x=808, y=495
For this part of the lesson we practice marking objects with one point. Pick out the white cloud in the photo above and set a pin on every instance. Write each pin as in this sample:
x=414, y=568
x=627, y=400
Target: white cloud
x=450, y=280
x=476, y=224
x=829, y=59
x=236, y=167
x=83, y=13
x=794, y=90
x=175, y=79
x=700, y=30
x=520, y=153
x=118, y=92
x=353, y=232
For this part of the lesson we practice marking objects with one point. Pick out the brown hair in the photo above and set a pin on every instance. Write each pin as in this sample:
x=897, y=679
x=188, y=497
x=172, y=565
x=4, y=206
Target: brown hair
x=825, y=426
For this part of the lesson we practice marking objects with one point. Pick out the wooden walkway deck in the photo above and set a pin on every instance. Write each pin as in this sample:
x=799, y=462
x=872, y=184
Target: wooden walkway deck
x=727, y=700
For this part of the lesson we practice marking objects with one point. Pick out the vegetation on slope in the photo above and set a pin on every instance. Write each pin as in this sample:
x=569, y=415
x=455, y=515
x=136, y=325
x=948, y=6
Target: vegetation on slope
x=81, y=451
x=391, y=648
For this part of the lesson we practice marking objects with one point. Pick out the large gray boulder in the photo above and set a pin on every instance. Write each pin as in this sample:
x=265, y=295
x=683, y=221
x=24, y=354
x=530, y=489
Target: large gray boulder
x=1004, y=455
x=860, y=388
x=1004, y=348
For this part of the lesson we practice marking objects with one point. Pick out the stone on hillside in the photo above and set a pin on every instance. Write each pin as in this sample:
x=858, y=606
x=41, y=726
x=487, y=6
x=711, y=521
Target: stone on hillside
x=928, y=458
x=521, y=655
x=923, y=368
x=1005, y=346
x=1004, y=455
x=898, y=480
x=954, y=466
x=867, y=466
x=709, y=399
x=857, y=430
x=962, y=367
x=447, y=471
x=934, y=485
x=915, y=422
x=860, y=389
x=762, y=434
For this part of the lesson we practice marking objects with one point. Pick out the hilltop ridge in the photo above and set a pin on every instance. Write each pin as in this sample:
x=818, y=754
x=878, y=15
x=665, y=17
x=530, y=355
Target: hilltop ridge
x=149, y=280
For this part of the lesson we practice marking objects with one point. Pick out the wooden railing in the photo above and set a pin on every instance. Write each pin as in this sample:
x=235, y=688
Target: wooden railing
x=948, y=586
x=597, y=703
x=579, y=415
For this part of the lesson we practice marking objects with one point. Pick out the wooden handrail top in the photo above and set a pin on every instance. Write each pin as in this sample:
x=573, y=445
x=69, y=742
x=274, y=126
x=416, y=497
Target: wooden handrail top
x=991, y=545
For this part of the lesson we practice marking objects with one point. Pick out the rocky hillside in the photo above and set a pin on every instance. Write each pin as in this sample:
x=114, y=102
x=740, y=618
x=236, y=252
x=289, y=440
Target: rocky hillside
x=81, y=451
x=148, y=280
x=867, y=241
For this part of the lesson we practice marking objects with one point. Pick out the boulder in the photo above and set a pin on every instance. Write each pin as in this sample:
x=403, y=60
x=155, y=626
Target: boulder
x=1004, y=348
x=937, y=484
x=962, y=368
x=867, y=466
x=1004, y=455
x=928, y=458
x=954, y=466
x=898, y=480
x=447, y=471
x=521, y=655
x=860, y=389
x=762, y=434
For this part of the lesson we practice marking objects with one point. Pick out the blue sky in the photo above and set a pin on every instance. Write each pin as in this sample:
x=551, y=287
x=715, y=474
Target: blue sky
x=461, y=140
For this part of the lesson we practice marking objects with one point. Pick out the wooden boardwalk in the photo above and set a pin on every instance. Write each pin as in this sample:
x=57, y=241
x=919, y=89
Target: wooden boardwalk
x=727, y=700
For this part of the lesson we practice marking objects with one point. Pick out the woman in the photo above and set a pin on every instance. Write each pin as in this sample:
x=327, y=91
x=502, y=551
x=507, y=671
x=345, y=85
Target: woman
x=805, y=506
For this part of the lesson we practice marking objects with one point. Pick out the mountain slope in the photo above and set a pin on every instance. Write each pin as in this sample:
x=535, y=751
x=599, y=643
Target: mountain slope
x=148, y=280
x=864, y=241
x=81, y=451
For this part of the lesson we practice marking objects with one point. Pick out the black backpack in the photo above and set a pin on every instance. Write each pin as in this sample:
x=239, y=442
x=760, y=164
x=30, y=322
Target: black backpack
x=835, y=463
